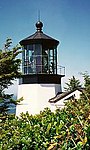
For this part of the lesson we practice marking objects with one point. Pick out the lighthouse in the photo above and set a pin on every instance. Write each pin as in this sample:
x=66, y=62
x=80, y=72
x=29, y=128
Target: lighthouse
x=40, y=79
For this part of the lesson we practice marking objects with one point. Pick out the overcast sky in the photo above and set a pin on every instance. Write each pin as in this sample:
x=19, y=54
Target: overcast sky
x=65, y=20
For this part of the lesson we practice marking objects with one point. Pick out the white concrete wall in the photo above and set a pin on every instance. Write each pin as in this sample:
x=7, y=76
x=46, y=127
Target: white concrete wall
x=36, y=97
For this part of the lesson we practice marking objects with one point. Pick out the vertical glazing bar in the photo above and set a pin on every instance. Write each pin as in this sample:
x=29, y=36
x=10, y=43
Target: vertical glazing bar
x=53, y=63
x=56, y=58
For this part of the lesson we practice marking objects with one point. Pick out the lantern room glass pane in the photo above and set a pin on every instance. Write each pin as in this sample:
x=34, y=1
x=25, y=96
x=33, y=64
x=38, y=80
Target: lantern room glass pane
x=52, y=62
x=38, y=58
x=27, y=59
x=32, y=59
x=45, y=61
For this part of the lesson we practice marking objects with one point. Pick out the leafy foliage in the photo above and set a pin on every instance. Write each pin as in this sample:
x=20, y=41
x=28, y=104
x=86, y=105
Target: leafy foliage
x=66, y=129
x=9, y=70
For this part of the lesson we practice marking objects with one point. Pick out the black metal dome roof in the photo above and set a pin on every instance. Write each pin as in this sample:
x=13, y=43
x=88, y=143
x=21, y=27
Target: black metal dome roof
x=40, y=38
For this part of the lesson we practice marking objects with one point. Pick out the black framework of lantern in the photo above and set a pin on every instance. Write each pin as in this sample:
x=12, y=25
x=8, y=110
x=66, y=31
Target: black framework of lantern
x=39, y=58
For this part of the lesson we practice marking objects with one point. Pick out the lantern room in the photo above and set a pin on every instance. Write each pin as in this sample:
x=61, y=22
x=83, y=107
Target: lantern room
x=39, y=53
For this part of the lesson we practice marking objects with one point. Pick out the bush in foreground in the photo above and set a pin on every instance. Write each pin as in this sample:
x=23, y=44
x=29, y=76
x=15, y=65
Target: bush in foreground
x=65, y=129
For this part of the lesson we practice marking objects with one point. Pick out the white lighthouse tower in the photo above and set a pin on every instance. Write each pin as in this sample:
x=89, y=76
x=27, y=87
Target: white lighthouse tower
x=40, y=80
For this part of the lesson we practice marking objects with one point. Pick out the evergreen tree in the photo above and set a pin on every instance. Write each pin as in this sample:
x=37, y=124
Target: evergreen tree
x=9, y=70
x=72, y=84
x=86, y=85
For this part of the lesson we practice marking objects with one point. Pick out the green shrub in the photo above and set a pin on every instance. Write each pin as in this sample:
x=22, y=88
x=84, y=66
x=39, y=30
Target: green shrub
x=65, y=129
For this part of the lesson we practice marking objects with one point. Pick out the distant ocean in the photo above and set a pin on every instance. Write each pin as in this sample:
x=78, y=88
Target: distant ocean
x=12, y=108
